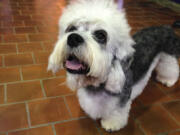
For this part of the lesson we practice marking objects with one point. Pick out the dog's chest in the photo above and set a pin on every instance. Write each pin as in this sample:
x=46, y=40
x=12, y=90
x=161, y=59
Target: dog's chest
x=97, y=104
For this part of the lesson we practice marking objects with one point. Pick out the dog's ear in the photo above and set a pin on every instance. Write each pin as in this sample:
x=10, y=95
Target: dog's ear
x=53, y=64
x=56, y=58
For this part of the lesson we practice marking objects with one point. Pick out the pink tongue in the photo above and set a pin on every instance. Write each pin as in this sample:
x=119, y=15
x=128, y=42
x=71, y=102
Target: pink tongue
x=74, y=65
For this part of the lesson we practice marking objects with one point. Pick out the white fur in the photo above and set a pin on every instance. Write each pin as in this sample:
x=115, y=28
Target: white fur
x=94, y=104
x=116, y=78
x=113, y=117
x=89, y=16
x=56, y=57
x=100, y=14
x=167, y=70
x=118, y=118
x=105, y=107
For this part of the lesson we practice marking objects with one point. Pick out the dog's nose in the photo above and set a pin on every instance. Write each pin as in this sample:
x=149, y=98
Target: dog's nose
x=74, y=40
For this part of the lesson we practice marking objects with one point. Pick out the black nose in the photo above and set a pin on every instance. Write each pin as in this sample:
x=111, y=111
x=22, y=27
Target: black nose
x=74, y=40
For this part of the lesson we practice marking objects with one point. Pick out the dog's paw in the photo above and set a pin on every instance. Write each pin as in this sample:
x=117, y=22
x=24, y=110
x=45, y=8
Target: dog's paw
x=111, y=125
x=167, y=82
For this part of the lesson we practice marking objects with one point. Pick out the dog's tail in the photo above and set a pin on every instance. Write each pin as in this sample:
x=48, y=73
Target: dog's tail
x=172, y=42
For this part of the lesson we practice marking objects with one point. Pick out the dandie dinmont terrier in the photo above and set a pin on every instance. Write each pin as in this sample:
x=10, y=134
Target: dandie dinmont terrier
x=106, y=65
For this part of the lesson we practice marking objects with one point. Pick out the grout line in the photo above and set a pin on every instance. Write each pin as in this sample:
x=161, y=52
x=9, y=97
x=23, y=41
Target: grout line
x=42, y=87
x=16, y=130
x=30, y=16
x=43, y=47
x=5, y=93
x=33, y=80
x=28, y=40
x=28, y=114
x=14, y=32
x=47, y=124
x=1, y=24
x=3, y=61
x=140, y=127
x=23, y=21
x=15, y=66
x=21, y=74
x=13, y=19
x=36, y=29
x=20, y=13
x=11, y=53
x=54, y=130
x=64, y=121
x=34, y=100
x=18, y=4
x=67, y=107
x=17, y=50
x=170, y=115
x=2, y=39
x=33, y=57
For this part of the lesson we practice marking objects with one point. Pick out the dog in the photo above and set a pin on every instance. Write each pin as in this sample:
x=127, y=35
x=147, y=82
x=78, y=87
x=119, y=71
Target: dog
x=107, y=66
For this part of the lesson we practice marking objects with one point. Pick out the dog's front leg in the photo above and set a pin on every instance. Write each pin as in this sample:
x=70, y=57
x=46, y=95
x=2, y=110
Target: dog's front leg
x=117, y=119
x=116, y=78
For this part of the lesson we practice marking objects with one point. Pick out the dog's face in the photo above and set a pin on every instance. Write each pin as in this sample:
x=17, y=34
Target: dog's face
x=92, y=33
x=86, y=47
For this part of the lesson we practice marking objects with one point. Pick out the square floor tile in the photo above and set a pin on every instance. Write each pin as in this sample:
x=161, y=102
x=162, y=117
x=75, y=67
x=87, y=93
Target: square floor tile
x=39, y=37
x=23, y=30
x=29, y=47
x=41, y=57
x=9, y=75
x=35, y=72
x=156, y=120
x=56, y=87
x=77, y=127
x=152, y=94
x=48, y=110
x=9, y=38
x=1, y=94
x=174, y=108
x=48, y=46
x=24, y=91
x=13, y=117
x=18, y=59
x=5, y=49
x=1, y=61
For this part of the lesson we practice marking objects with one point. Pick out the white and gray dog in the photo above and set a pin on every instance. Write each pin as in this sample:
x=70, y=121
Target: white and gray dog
x=108, y=67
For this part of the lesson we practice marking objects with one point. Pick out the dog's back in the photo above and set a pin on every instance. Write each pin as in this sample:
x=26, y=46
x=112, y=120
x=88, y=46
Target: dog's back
x=163, y=38
x=150, y=42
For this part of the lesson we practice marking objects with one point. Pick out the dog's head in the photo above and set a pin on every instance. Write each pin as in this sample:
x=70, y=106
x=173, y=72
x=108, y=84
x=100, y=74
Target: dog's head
x=92, y=33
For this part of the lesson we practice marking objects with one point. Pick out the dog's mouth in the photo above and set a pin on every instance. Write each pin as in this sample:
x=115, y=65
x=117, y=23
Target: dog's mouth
x=75, y=65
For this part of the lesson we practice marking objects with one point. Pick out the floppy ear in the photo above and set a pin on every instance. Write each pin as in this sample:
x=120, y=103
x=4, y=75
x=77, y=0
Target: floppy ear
x=56, y=58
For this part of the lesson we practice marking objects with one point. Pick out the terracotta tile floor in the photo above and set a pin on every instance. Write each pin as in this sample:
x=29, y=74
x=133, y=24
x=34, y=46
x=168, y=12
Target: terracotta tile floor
x=34, y=101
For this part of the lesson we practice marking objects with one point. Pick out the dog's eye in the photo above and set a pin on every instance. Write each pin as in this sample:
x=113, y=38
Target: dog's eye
x=71, y=28
x=100, y=36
